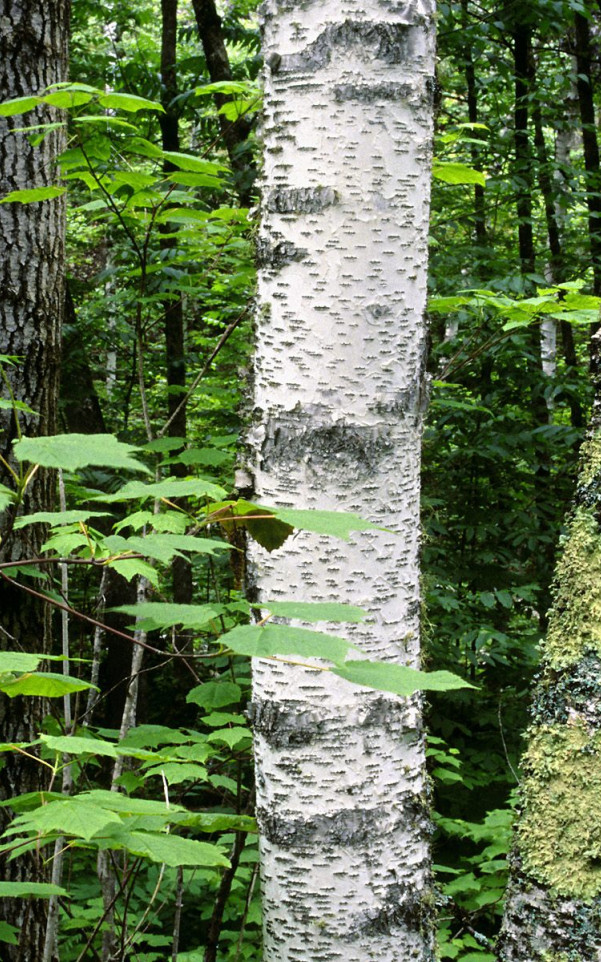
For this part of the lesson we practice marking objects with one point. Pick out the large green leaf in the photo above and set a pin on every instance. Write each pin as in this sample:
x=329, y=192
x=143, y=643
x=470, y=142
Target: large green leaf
x=338, y=524
x=37, y=890
x=158, y=614
x=74, y=451
x=19, y=105
x=232, y=737
x=169, y=488
x=267, y=641
x=64, y=99
x=128, y=102
x=130, y=568
x=74, y=745
x=6, y=496
x=173, y=850
x=126, y=805
x=398, y=679
x=73, y=816
x=163, y=547
x=193, y=163
x=177, y=772
x=18, y=661
x=314, y=611
x=454, y=173
x=9, y=933
x=33, y=195
x=58, y=517
x=215, y=694
x=44, y=685
x=216, y=822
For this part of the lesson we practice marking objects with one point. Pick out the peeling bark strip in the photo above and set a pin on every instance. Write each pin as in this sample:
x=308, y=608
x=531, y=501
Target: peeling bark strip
x=553, y=910
x=339, y=397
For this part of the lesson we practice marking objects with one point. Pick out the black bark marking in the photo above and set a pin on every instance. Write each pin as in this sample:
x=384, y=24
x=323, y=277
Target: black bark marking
x=348, y=827
x=402, y=909
x=276, y=254
x=357, y=447
x=299, y=200
x=389, y=42
x=372, y=93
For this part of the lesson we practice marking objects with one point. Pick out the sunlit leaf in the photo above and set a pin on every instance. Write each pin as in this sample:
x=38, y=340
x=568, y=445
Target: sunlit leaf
x=173, y=850
x=159, y=614
x=43, y=685
x=128, y=102
x=169, y=488
x=74, y=745
x=32, y=195
x=314, y=611
x=18, y=661
x=19, y=105
x=454, y=173
x=215, y=694
x=37, y=890
x=398, y=679
x=266, y=641
x=74, y=451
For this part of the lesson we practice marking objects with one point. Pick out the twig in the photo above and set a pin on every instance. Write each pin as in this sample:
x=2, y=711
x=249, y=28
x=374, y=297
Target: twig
x=222, y=340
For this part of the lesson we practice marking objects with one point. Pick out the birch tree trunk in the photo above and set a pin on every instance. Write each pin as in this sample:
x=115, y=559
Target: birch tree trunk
x=33, y=54
x=553, y=910
x=339, y=400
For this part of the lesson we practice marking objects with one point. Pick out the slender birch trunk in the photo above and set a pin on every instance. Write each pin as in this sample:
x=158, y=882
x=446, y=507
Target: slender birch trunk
x=553, y=911
x=339, y=400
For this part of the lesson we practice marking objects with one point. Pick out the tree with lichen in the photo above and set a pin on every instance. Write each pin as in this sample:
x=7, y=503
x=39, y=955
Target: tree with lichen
x=339, y=398
x=553, y=911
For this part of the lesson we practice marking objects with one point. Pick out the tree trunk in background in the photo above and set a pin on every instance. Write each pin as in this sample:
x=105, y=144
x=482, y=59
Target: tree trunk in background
x=235, y=134
x=584, y=83
x=554, y=903
x=33, y=54
x=175, y=334
x=472, y=113
x=339, y=400
x=548, y=187
x=524, y=174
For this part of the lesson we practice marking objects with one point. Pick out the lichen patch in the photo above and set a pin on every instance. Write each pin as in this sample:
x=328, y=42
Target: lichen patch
x=559, y=835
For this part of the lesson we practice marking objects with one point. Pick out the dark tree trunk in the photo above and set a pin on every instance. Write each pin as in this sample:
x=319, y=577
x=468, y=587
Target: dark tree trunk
x=522, y=54
x=33, y=54
x=472, y=112
x=234, y=133
x=590, y=143
x=175, y=346
x=556, y=264
x=553, y=909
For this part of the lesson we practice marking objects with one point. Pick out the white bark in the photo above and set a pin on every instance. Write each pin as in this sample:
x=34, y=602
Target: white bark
x=548, y=346
x=339, y=399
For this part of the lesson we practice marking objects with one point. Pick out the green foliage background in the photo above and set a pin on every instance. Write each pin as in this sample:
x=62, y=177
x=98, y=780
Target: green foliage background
x=500, y=451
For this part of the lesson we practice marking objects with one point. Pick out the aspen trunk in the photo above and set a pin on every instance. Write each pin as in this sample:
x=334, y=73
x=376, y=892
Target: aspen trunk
x=339, y=400
x=33, y=54
x=553, y=911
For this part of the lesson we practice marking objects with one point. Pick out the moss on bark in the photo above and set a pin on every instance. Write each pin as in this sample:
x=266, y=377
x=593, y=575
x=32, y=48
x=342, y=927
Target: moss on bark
x=559, y=835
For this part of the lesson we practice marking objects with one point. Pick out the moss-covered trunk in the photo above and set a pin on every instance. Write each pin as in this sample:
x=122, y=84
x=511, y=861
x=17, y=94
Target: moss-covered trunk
x=553, y=911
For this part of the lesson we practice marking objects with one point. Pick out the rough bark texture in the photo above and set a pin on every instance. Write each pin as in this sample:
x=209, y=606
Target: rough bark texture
x=33, y=54
x=339, y=399
x=553, y=912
